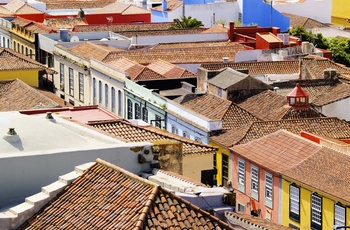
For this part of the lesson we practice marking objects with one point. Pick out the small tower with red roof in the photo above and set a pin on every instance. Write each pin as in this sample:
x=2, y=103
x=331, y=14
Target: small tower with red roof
x=298, y=98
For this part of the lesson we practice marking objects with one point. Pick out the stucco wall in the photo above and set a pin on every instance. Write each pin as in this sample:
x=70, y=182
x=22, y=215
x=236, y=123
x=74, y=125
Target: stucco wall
x=194, y=164
x=339, y=109
x=24, y=174
x=31, y=77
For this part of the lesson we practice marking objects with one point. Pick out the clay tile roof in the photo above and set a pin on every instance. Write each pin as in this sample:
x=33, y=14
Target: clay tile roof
x=169, y=70
x=236, y=117
x=129, y=27
x=34, y=27
x=4, y=11
x=277, y=151
x=133, y=133
x=197, y=44
x=106, y=196
x=64, y=23
x=133, y=69
x=229, y=138
x=333, y=94
x=121, y=8
x=327, y=171
x=216, y=29
x=181, y=55
x=247, y=221
x=297, y=20
x=16, y=95
x=208, y=105
x=172, y=5
x=325, y=126
x=92, y=50
x=315, y=66
x=271, y=106
x=11, y=60
x=71, y=4
x=227, y=78
x=258, y=68
x=20, y=7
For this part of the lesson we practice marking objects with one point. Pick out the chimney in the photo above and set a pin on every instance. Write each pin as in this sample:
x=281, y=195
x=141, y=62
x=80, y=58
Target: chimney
x=225, y=59
x=49, y=115
x=11, y=136
x=231, y=31
x=64, y=35
x=164, y=5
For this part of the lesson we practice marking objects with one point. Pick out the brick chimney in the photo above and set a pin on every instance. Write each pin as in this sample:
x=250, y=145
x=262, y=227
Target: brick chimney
x=231, y=31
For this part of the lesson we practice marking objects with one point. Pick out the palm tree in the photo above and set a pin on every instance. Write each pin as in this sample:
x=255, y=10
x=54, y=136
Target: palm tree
x=186, y=22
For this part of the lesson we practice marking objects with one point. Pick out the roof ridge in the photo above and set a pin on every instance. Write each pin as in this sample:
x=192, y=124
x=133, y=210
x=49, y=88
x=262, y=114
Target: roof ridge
x=146, y=209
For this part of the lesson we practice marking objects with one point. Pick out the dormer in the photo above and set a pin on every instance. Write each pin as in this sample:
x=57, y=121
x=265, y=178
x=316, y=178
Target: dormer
x=298, y=98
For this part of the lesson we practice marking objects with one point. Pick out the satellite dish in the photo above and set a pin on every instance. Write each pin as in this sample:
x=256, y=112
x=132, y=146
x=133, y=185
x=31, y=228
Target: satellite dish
x=74, y=39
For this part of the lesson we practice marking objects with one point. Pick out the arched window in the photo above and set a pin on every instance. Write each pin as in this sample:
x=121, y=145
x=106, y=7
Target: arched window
x=137, y=111
x=14, y=45
x=145, y=114
x=129, y=109
x=174, y=129
x=113, y=100
x=106, y=95
x=186, y=134
x=120, y=103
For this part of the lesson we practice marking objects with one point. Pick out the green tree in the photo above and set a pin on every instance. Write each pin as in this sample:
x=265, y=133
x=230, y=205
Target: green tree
x=186, y=22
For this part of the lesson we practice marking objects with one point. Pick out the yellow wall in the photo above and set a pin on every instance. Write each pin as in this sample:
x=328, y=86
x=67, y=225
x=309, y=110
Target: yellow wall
x=305, y=208
x=23, y=38
x=340, y=11
x=193, y=165
x=28, y=76
x=221, y=150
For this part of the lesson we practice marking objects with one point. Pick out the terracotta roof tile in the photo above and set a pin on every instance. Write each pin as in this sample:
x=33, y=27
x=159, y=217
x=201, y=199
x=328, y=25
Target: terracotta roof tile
x=130, y=132
x=277, y=151
x=93, y=50
x=327, y=171
x=121, y=8
x=125, y=27
x=64, y=23
x=32, y=26
x=172, y=5
x=71, y=4
x=169, y=70
x=20, y=7
x=208, y=105
x=229, y=138
x=327, y=126
x=11, y=60
x=258, y=68
x=184, y=55
x=16, y=95
x=197, y=44
x=247, y=221
x=108, y=197
x=236, y=117
x=308, y=23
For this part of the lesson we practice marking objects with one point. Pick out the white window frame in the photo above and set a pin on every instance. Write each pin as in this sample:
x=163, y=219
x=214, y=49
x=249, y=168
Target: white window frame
x=254, y=182
x=339, y=215
x=130, y=109
x=316, y=212
x=294, y=202
x=137, y=111
x=81, y=87
x=241, y=174
x=268, y=189
x=71, y=81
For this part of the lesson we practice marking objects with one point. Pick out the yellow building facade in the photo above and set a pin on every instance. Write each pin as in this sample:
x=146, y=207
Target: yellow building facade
x=23, y=41
x=223, y=170
x=331, y=210
x=341, y=13
x=28, y=76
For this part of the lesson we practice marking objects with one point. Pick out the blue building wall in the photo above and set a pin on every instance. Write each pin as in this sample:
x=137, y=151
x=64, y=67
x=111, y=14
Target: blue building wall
x=261, y=13
x=159, y=16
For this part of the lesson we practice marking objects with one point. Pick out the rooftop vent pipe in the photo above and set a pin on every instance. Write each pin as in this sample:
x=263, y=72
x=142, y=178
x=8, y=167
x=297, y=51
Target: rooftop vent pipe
x=11, y=135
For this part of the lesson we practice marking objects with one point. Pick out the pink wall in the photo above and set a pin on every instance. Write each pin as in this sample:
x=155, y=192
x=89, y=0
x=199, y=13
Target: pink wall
x=245, y=198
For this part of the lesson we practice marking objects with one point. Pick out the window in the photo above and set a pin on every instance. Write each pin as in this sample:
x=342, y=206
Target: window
x=255, y=182
x=174, y=129
x=120, y=103
x=224, y=169
x=219, y=92
x=268, y=189
x=294, y=203
x=158, y=122
x=316, y=212
x=129, y=109
x=241, y=175
x=185, y=134
x=106, y=95
x=145, y=114
x=198, y=139
x=81, y=87
x=137, y=111
x=241, y=207
x=94, y=91
x=31, y=54
x=113, y=100
x=339, y=215
x=14, y=45
x=100, y=92
x=71, y=82
x=61, y=77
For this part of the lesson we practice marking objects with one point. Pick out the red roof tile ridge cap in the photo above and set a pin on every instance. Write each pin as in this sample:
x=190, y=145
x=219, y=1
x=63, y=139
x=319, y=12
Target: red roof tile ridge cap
x=125, y=172
x=146, y=209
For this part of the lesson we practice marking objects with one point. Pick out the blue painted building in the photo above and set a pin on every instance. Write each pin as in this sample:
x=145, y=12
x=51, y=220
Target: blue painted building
x=264, y=15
